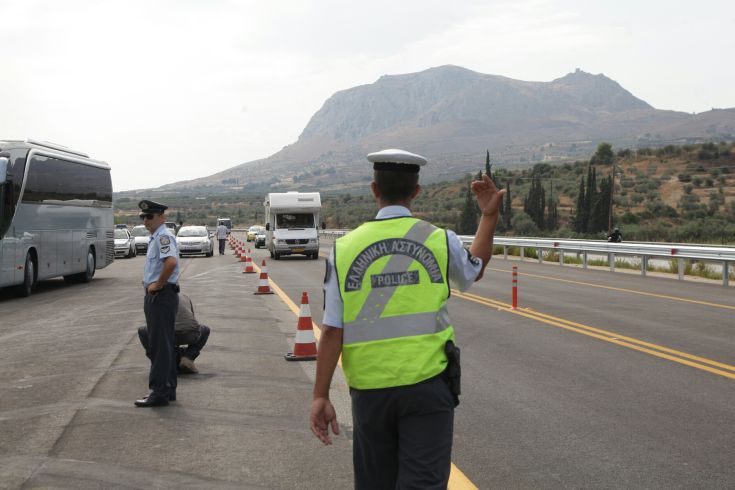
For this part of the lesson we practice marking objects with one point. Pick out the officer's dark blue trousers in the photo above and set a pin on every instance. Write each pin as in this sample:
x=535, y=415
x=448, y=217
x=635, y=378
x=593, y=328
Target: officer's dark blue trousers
x=403, y=436
x=222, y=245
x=160, y=317
x=194, y=342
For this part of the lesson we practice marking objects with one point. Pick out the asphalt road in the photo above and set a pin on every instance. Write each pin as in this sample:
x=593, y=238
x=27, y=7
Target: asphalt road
x=598, y=380
x=72, y=367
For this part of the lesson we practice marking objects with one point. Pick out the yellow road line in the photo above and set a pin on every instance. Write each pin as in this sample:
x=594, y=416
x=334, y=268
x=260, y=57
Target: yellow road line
x=634, y=291
x=639, y=345
x=457, y=479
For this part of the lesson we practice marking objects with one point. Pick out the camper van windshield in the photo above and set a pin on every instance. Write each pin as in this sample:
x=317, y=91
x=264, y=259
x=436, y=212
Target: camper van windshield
x=295, y=221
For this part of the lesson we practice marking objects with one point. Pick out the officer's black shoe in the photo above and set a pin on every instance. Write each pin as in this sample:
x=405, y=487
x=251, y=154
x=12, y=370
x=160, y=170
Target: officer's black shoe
x=151, y=401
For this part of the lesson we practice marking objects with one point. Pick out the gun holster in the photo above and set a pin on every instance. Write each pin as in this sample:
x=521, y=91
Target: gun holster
x=453, y=372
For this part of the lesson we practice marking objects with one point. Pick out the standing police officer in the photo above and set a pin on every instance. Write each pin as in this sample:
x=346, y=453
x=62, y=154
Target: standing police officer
x=386, y=290
x=160, y=278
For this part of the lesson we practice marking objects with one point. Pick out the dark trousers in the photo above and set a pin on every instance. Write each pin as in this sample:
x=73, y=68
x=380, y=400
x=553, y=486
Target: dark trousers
x=222, y=245
x=194, y=343
x=160, y=317
x=403, y=436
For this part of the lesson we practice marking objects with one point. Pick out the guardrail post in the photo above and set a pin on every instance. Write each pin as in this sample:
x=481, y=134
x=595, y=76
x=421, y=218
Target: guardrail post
x=505, y=252
x=726, y=273
x=515, y=287
x=584, y=260
x=540, y=255
x=680, y=268
x=611, y=261
x=644, y=265
x=561, y=257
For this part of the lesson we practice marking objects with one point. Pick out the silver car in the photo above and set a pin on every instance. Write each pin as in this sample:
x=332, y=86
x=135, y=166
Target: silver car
x=195, y=240
x=260, y=239
x=124, y=243
x=141, y=236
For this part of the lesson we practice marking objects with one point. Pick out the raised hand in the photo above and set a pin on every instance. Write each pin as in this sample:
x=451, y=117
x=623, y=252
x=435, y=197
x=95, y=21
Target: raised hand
x=489, y=198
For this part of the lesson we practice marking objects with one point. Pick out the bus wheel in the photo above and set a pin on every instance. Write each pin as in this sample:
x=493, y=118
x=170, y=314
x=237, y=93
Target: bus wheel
x=29, y=277
x=88, y=274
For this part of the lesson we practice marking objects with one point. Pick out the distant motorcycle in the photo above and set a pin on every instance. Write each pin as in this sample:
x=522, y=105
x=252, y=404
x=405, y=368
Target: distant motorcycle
x=615, y=236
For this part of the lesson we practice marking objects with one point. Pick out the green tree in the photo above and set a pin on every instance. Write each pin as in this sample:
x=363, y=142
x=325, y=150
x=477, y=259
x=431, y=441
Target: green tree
x=552, y=215
x=470, y=214
x=601, y=208
x=535, y=202
x=590, y=197
x=508, y=207
x=604, y=155
x=523, y=225
x=582, y=216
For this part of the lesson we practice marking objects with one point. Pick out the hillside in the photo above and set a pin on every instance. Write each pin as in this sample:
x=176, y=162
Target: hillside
x=451, y=114
x=675, y=193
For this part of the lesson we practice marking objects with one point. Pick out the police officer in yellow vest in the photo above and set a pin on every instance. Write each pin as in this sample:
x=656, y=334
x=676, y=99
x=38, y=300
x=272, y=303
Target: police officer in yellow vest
x=386, y=290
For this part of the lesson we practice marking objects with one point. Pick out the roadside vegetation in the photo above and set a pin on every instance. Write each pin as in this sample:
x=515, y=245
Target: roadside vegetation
x=676, y=193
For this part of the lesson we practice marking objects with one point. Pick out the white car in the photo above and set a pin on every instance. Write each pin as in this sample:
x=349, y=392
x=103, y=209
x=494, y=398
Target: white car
x=141, y=236
x=195, y=240
x=124, y=243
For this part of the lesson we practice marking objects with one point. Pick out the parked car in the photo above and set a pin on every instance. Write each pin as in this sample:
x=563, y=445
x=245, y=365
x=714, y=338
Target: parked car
x=124, y=243
x=141, y=236
x=171, y=226
x=260, y=239
x=195, y=240
x=253, y=231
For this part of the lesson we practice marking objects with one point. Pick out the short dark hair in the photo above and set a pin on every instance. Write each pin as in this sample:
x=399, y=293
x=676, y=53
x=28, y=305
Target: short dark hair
x=395, y=186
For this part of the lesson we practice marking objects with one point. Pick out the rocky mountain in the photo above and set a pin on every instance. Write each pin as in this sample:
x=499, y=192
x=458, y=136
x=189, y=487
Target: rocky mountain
x=452, y=115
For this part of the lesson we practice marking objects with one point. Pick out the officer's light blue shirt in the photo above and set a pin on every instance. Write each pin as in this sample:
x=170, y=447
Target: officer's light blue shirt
x=463, y=270
x=162, y=244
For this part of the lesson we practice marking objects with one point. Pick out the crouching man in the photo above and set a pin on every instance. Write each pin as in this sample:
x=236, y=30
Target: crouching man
x=191, y=336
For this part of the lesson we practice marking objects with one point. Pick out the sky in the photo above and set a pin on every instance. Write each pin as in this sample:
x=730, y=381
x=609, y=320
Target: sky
x=169, y=90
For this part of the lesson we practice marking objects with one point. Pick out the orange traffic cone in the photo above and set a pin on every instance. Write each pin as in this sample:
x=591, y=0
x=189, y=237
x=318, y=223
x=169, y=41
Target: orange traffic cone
x=245, y=257
x=248, y=266
x=304, y=348
x=264, y=286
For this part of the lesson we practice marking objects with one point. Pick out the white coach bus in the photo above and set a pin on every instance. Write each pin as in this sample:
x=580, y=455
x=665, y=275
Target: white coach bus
x=55, y=214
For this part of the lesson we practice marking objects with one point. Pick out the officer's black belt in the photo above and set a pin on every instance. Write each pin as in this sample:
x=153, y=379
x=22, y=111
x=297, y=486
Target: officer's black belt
x=171, y=285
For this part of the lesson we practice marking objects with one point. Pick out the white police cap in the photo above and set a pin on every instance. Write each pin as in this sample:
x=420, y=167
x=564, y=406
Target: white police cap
x=396, y=161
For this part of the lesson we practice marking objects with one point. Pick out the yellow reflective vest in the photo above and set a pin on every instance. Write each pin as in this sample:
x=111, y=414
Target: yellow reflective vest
x=392, y=276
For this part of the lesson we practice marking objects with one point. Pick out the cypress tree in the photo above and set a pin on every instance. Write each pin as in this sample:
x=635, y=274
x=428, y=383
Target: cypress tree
x=488, y=167
x=552, y=215
x=507, y=207
x=580, y=220
x=600, y=208
x=590, y=197
x=535, y=202
x=470, y=215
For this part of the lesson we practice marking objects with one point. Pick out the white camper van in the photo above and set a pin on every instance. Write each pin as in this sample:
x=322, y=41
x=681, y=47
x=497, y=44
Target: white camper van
x=291, y=223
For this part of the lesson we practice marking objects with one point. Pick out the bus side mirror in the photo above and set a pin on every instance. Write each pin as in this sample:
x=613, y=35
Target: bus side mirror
x=267, y=227
x=324, y=225
x=3, y=170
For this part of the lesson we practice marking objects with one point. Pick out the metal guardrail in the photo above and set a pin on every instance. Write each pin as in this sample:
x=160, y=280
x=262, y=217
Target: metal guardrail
x=645, y=250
